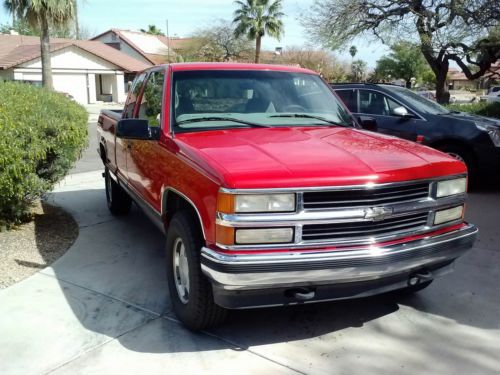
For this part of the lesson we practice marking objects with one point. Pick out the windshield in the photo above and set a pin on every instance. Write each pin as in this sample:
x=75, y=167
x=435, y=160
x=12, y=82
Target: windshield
x=420, y=103
x=210, y=99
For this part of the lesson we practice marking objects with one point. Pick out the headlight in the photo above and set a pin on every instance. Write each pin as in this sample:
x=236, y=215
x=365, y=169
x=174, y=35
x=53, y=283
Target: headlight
x=492, y=130
x=451, y=214
x=263, y=236
x=256, y=203
x=451, y=187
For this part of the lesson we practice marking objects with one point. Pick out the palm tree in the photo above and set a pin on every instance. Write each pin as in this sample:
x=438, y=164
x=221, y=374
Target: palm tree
x=256, y=18
x=153, y=30
x=43, y=14
x=353, y=51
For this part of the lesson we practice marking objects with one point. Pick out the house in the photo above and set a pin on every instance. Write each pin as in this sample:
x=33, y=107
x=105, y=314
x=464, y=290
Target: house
x=89, y=71
x=148, y=48
x=458, y=81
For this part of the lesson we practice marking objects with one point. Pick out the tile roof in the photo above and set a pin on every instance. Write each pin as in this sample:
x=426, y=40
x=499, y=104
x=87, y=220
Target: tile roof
x=17, y=49
x=153, y=48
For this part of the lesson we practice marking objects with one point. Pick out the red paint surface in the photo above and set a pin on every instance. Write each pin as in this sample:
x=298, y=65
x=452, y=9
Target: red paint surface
x=197, y=164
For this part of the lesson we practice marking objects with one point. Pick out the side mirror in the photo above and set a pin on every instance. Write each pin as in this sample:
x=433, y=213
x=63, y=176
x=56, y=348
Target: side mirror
x=401, y=112
x=368, y=123
x=133, y=128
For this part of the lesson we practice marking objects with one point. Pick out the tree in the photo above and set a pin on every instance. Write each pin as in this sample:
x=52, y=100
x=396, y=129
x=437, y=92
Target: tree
x=153, y=30
x=445, y=30
x=218, y=43
x=256, y=18
x=43, y=14
x=358, y=70
x=405, y=61
x=353, y=51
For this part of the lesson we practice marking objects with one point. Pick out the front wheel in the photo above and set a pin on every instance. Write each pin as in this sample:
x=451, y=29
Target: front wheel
x=190, y=291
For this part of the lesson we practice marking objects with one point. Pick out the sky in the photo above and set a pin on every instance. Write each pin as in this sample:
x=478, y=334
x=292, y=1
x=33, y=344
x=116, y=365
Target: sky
x=186, y=16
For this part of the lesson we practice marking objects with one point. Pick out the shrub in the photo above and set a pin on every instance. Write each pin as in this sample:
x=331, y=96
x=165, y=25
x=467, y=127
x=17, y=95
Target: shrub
x=42, y=133
x=481, y=108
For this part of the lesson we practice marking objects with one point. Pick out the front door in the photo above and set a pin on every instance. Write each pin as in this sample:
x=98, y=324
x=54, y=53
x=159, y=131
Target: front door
x=381, y=107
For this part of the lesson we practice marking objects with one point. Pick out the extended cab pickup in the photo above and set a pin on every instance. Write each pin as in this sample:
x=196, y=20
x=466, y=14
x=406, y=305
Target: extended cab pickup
x=270, y=193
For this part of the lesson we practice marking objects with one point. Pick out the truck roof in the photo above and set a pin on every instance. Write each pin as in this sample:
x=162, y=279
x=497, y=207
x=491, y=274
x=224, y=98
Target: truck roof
x=236, y=66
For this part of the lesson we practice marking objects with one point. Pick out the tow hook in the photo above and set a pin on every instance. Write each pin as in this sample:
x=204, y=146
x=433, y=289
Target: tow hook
x=301, y=294
x=420, y=277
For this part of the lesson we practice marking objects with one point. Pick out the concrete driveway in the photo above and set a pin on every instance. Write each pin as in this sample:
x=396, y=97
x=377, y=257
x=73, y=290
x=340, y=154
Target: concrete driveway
x=104, y=308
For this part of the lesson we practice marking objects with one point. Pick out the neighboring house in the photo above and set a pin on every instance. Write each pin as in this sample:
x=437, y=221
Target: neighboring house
x=89, y=71
x=458, y=81
x=148, y=48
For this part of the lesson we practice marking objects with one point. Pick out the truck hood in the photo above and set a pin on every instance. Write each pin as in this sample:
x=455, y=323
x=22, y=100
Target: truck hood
x=283, y=157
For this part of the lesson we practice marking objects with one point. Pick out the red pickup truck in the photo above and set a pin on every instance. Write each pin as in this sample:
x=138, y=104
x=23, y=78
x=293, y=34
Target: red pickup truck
x=271, y=193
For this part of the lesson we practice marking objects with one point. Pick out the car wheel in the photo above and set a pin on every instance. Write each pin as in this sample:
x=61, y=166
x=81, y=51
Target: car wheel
x=118, y=201
x=464, y=156
x=190, y=290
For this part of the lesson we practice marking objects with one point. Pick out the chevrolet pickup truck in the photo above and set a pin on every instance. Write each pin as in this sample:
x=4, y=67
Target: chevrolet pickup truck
x=270, y=193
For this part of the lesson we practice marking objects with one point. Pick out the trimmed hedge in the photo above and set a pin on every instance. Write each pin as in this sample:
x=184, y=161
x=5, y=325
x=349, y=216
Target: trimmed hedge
x=481, y=108
x=42, y=133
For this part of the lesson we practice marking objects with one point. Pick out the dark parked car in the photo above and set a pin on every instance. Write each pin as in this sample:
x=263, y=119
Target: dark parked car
x=402, y=113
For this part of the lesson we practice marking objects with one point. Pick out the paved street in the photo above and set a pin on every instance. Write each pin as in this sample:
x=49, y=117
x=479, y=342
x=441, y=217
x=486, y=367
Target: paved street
x=104, y=308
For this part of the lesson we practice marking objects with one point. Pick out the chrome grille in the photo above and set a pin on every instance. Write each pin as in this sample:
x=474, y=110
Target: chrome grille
x=325, y=200
x=365, y=229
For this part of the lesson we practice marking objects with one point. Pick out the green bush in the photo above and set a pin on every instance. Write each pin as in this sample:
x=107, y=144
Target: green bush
x=481, y=108
x=42, y=134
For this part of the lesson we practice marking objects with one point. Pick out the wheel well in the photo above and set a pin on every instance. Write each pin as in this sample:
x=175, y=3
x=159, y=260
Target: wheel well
x=174, y=202
x=455, y=143
x=102, y=153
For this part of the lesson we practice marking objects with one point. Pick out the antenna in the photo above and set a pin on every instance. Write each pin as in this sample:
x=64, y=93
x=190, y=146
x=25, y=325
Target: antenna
x=168, y=43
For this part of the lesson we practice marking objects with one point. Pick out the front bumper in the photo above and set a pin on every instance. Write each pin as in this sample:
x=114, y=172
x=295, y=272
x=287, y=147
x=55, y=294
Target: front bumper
x=235, y=277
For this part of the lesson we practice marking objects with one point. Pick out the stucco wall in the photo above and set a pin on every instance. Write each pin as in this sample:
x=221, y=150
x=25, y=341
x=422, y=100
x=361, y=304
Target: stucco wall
x=124, y=47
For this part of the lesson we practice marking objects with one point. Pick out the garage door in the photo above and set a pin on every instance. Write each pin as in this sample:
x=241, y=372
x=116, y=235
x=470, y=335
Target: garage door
x=73, y=84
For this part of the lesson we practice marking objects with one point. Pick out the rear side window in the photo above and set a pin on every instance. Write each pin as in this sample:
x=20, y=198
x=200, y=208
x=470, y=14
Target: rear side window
x=151, y=100
x=132, y=96
x=349, y=99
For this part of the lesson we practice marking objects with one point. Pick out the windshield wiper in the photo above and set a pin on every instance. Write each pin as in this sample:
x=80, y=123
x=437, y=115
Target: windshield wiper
x=214, y=118
x=304, y=115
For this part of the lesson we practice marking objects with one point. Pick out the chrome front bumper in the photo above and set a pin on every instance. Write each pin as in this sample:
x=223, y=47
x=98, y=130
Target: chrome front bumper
x=309, y=268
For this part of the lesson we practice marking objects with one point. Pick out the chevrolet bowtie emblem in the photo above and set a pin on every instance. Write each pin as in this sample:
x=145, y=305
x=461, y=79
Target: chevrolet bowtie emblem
x=378, y=213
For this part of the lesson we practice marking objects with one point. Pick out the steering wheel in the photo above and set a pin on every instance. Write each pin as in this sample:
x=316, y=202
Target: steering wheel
x=294, y=108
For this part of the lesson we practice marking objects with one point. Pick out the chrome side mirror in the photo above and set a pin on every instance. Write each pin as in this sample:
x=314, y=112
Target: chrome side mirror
x=401, y=112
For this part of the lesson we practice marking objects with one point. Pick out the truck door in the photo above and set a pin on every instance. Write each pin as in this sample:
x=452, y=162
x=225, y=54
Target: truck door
x=122, y=145
x=144, y=167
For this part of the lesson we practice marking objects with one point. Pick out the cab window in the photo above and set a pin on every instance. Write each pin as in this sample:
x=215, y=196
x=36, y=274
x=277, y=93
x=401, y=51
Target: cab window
x=134, y=93
x=151, y=100
x=349, y=98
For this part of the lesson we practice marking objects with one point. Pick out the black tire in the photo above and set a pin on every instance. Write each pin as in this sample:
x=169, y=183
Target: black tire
x=464, y=155
x=118, y=200
x=196, y=308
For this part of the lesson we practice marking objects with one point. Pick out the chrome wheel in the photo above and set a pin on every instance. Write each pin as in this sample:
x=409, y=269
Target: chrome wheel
x=456, y=156
x=181, y=270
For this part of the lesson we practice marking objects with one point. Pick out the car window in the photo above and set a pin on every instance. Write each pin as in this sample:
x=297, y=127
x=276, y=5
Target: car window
x=134, y=93
x=150, y=107
x=376, y=103
x=349, y=99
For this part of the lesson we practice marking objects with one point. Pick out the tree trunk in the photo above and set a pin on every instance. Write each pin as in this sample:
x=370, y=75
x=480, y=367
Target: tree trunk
x=442, y=93
x=257, y=49
x=77, y=25
x=45, y=54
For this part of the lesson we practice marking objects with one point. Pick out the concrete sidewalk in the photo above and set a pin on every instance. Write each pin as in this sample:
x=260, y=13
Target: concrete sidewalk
x=104, y=308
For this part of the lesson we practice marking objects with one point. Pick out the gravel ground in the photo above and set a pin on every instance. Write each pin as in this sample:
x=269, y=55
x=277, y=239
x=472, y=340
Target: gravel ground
x=35, y=245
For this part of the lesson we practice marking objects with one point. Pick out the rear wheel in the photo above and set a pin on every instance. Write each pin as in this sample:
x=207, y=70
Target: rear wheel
x=118, y=201
x=190, y=291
